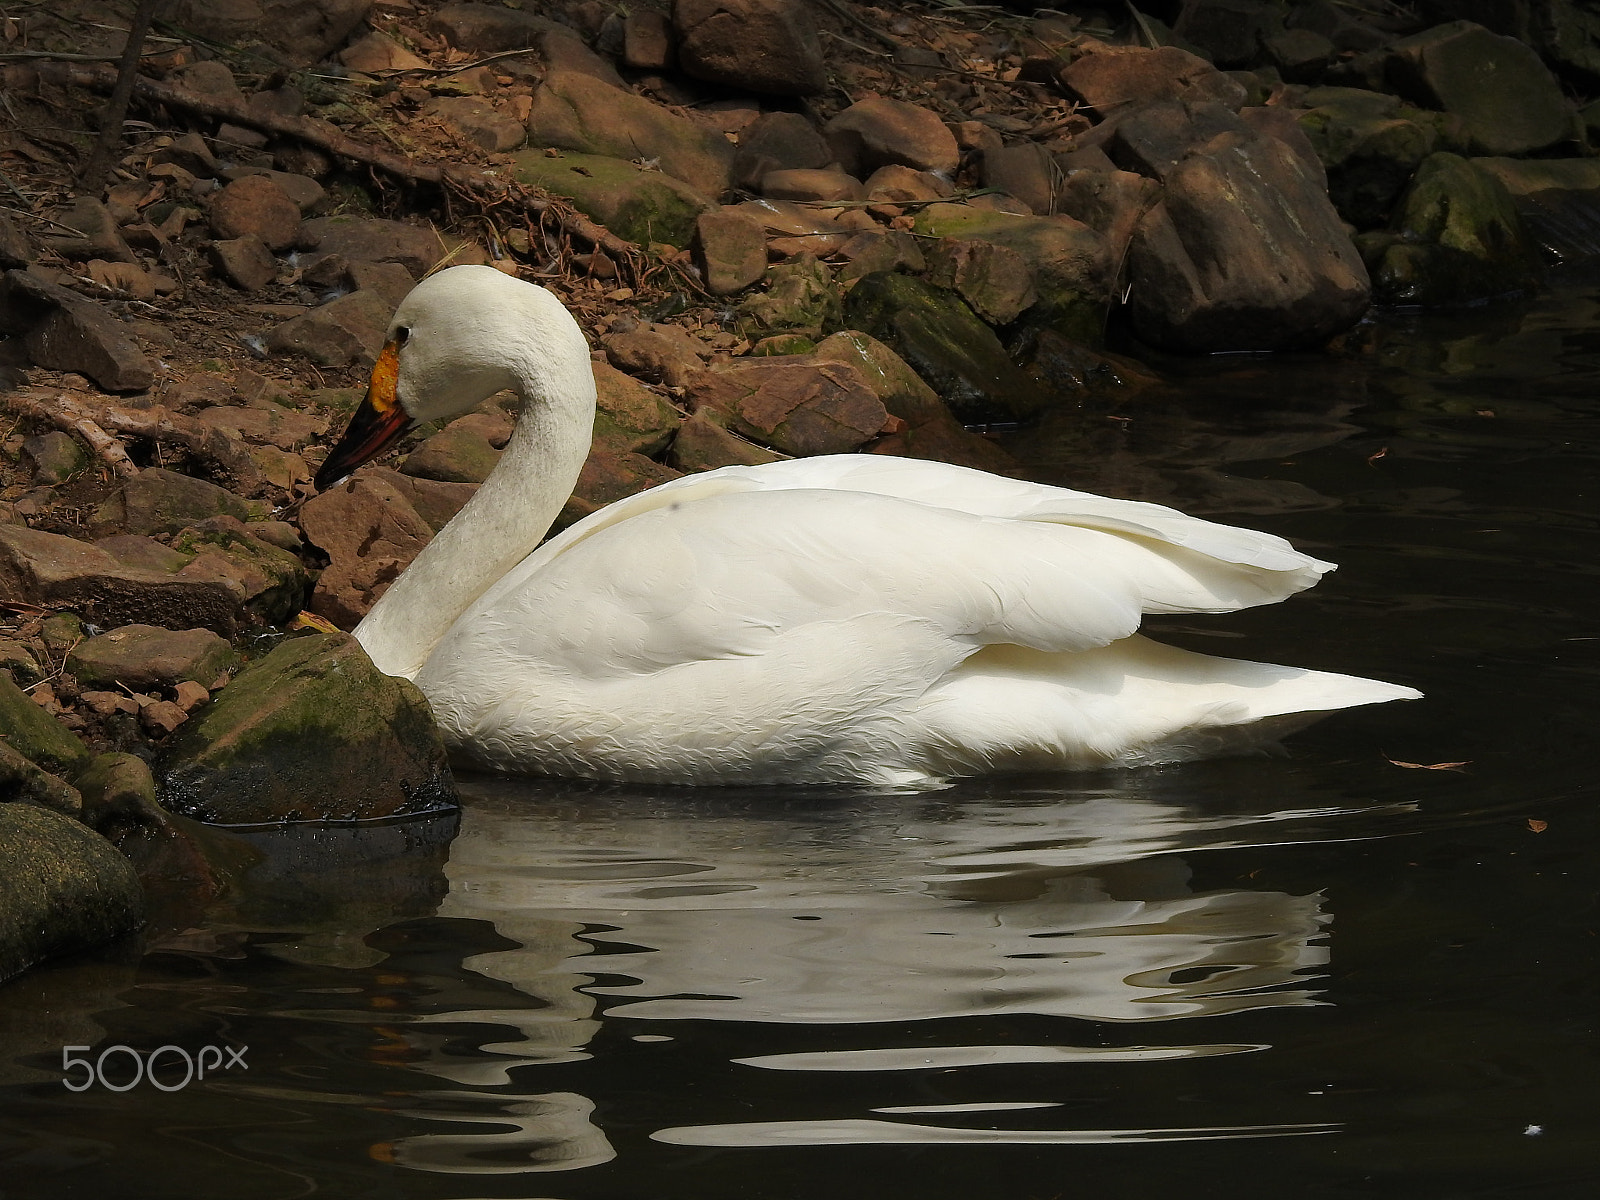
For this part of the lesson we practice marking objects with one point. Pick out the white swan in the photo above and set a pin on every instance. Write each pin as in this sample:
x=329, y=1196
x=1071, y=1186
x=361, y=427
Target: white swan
x=853, y=618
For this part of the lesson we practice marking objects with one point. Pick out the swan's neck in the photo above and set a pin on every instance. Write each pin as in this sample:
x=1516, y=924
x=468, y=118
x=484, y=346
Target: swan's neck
x=503, y=522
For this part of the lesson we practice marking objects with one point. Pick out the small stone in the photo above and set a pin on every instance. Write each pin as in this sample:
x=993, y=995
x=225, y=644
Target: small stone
x=732, y=248
x=245, y=261
x=811, y=185
x=379, y=52
x=162, y=717
x=663, y=353
x=56, y=457
x=124, y=278
x=877, y=131
x=306, y=192
x=106, y=703
x=189, y=152
x=64, y=332
x=98, y=236
x=189, y=695
x=388, y=279
x=778, y=141
x=462, y=452
x=477, y=121
x=647, y=42
x=488, y=29
x=257, y=206
x=372, y=239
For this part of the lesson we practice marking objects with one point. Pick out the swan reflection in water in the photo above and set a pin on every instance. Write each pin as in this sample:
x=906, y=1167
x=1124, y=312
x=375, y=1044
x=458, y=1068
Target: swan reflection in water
x=881, y=909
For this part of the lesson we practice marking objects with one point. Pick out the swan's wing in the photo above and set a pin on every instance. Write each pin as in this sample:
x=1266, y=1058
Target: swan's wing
x=1268, y=568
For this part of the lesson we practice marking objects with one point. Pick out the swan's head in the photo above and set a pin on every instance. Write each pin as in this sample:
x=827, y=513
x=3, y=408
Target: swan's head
x=457, y=338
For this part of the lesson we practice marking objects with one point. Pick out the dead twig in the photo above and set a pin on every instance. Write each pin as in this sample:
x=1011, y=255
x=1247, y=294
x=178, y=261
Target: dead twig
x=94, y=171
x=67, y=414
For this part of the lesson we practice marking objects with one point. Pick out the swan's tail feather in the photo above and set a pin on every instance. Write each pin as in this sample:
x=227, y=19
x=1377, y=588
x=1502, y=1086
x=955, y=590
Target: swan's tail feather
x=1132, y=703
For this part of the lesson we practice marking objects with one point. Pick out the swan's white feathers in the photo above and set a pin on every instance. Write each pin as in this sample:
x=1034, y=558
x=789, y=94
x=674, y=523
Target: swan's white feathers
x=845, y=618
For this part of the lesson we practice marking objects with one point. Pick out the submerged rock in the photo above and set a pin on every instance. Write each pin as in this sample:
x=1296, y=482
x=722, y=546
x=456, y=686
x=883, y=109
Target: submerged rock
x=311, y=732
x=1457, y=238
x=63, y=888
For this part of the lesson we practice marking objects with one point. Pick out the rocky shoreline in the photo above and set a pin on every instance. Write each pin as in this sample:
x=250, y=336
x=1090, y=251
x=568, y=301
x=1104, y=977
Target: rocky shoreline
x=790, y=228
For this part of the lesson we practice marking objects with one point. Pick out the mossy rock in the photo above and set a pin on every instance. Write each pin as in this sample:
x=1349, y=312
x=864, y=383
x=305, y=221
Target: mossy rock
x=642, y=206
x=161, y=501
x=276, y=581
x=1071, y=263
x=1371, y=144
x=22, y=781
x=1461, y=239
x=311, y=732
x=63, y=888
x=946, y=344
x=801, y=299
x=36, y=735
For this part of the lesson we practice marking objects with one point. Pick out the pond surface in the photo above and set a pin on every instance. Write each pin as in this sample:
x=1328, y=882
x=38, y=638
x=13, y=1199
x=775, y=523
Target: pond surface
x=1321, y=974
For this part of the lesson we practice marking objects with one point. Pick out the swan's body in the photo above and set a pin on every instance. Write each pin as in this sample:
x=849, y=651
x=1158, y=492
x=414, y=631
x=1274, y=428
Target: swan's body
x=848, y=618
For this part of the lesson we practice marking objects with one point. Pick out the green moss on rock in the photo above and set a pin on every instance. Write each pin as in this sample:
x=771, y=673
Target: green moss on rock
x=311, y=732
x=63, y=888
x=642, y=206
x=35, y=734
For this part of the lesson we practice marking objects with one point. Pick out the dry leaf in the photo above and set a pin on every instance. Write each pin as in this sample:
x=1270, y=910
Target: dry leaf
x=1373, y=458
x=1537, y=825
x=1451, y=766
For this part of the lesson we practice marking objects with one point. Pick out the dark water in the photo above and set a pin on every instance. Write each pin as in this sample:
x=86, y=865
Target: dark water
x=1321, y=974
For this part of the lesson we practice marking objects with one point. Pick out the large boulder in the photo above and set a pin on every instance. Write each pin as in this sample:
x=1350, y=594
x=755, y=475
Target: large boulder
x=1506, y=97
x=797, y=404
x=766, y=46
x=63, y=888
x=1245, y=252
x=311, y=732
x=574, y=111
x=344, y=332
x=370, y=533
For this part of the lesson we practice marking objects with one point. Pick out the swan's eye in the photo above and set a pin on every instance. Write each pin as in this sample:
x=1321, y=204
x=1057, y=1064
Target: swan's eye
x=402, y=335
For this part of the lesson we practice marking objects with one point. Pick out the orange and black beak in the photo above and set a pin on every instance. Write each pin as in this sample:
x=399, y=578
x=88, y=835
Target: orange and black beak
x=378, y=424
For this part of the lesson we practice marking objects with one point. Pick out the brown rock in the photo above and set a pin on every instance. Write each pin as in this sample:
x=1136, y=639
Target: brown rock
x=1109, y=202
x=778, y=141
x=379, y=52
x=647, y=41
x=811, y=185
x=897, y=184
x=477, y=121
x=563, y=50
x=880, y=250
x=189, y=152
x=266, y=424
x=64, y=332
x=994, y=279
x=161, y=501
x=370, y=533
x=876, y=132
x=1116, y=78
x=732, y=248
x=245, y=261
x=945, y=440
x=146, y=657
x=14, y=248
x=306, y=192
x=1244, y=253
x=161, y=717
x=390, y=280
x=189, y=695
x=123, y=278
x=705, y=442
x=340, y=333
x=1155, y=138
x=434, y=500
x=765, y=46
x=1026, y=171
x=256, y=206
x=665, y=353
x=795, y=403
x=47, y=569
x=371, y=239
x=97, y=233
x=900, y=389
x=629, y=417
x=573, y=111
x=464, y=451
x=488, y=29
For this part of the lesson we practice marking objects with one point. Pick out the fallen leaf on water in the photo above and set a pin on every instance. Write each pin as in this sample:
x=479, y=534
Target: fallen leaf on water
x=1537, y=825
x=1455, y=766
x=1373, y=458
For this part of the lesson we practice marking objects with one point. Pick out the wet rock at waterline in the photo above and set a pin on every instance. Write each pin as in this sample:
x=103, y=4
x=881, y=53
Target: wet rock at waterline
x=63, y=888
x=310, y=732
